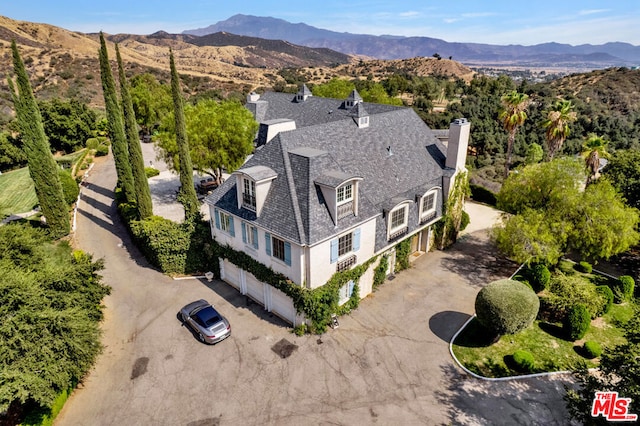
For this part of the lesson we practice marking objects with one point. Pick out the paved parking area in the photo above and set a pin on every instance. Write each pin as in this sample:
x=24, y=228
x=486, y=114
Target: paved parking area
x=387, y=363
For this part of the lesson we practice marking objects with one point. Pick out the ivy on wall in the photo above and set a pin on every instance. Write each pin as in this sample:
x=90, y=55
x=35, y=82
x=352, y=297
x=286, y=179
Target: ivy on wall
x=446, y=229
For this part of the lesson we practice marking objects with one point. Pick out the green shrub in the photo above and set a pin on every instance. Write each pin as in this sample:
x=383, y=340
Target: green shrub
x=151, y=172
x=623, y=288
x=523, y=360
x=465, y=220
x=577, y=322
x=92, y=143
x=566, y=267
x=566, y=291
x=483, y=195
x=592, y=349
x=403, y=250
x=584, y=267
x=607, y=293
x=539, y=276
x=70, y=187
x=300, y=329
x=102, y=150
x=506, y=306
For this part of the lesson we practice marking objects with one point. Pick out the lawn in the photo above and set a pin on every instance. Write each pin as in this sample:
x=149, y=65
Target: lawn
x=17, y=193
x=542, y=339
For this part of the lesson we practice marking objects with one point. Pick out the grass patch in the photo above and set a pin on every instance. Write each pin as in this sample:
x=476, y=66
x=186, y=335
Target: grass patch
x=544, y=340
x=17, y=192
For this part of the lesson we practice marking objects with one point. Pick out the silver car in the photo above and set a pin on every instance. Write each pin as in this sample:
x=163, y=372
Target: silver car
x=205, y=321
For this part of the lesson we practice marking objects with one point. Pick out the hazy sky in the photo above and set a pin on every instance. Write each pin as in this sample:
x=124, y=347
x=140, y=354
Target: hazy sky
x=495, y=22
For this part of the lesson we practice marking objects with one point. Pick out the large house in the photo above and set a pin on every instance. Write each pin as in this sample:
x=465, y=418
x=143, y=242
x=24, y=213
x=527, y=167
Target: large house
x=332, y=183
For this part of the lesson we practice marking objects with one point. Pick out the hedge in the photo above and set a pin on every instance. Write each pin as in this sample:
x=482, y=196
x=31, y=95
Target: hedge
x=483, y=195
x=577, y=322
x=506, y=306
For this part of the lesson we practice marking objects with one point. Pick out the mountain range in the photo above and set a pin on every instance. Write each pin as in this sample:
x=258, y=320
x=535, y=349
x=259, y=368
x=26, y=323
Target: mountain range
x=400, y=47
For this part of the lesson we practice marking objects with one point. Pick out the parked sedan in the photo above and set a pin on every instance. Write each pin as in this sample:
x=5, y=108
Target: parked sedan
x=205, y=321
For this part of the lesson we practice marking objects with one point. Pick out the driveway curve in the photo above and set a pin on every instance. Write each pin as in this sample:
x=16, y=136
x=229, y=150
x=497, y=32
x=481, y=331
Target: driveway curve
x=387, y=363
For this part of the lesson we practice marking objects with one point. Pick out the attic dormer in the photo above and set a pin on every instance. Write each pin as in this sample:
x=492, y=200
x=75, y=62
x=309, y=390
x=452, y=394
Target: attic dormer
x=353, y=99
x=303, y=94
x=252, y=187
x=360, y=115
x=340, y=191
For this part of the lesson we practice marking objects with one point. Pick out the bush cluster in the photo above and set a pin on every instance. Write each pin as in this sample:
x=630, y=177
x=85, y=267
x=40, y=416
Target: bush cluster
x=565, y=292
x=592, y=349
x=566, y=267
x=506, y=306
x=577, y=322
x=483, y=195
x=102, y=150
x=70, y=187
x=524, y=360
x=584, y=267
x=151, y=172
x=623, y=288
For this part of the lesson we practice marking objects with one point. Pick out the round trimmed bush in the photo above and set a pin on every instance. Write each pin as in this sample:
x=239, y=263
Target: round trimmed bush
x=540, y=277
x=626, y=284
x=584, y=267
x=607, y=293
x=523, y=360
x=577, y=322
x=465, y=220
x=506, y=306
x=592, y=349
x=102, y=150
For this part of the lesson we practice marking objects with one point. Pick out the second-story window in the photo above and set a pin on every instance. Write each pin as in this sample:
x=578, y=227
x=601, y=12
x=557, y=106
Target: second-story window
x=398, y=219
x=249, y=194
x=345, y=244
x=344, y=193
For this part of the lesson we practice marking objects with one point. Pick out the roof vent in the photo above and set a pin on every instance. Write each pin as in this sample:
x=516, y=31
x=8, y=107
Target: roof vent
x=389, y=152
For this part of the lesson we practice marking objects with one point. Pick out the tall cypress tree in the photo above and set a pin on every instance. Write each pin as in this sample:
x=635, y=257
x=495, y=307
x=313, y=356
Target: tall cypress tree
x=116, y=127
x=42, y=167
x=187, y=195
x=143, y=194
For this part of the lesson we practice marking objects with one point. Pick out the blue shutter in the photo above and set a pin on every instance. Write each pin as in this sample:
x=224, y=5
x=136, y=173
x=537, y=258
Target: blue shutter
x=334, y=251
x=351, y=284
x=287, y=253
x=244, y=232
x=231, y=230
x=267, y=240
x=356, y=240
x=254, y=231
x=217, y=215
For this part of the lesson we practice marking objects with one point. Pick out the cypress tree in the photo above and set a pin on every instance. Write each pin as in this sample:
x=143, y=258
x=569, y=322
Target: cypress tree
x=143, y=194
x=116, y=127
x=187, y=195
x=42, y=166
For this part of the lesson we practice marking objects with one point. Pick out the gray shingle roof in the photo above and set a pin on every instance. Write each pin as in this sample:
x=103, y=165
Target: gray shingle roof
x=327, y=147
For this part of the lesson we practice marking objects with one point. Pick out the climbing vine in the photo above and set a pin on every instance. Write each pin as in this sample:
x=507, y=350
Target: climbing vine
x=446, y=229
x=403, y=250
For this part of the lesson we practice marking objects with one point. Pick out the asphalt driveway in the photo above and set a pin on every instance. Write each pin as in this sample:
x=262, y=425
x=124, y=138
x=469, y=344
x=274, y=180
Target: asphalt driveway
x=387, y=363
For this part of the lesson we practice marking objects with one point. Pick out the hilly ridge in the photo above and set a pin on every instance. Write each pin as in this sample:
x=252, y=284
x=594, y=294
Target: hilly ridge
x=399, y=47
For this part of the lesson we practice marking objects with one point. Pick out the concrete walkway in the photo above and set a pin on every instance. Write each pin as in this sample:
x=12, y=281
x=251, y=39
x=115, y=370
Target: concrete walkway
x=387, y=363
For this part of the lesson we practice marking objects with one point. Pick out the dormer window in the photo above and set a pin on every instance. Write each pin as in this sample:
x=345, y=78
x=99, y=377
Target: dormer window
x=344, y=200
x=248, y=194
x=398, y=221
x=428, y=205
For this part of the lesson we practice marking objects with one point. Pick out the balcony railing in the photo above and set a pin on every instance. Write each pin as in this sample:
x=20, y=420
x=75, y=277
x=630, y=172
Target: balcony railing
x=347, y=263
x=345, y=209
x=428, y=217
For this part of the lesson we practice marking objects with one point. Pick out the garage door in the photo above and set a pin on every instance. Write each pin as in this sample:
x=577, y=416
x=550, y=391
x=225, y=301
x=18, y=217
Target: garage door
x=255, y=288
x=231, y=274
x=282, y=305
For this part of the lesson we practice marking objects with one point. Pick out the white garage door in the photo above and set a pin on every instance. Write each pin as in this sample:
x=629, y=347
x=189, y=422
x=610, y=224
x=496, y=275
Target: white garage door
x=255, y=288
x=282, y=305
x=231, y=274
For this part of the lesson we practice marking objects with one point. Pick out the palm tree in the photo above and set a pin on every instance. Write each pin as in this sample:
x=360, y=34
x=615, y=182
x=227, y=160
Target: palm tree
x=557, y=125
x=512, y=116
x=594, y=148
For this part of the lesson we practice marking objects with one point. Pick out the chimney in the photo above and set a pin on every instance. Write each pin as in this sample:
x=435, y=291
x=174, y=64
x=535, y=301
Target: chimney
x=253, y=97
x=458, y=143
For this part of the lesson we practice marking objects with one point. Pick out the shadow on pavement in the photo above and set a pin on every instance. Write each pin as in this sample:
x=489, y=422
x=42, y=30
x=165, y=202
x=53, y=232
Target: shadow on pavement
x=445, y=324
x=478, y=261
